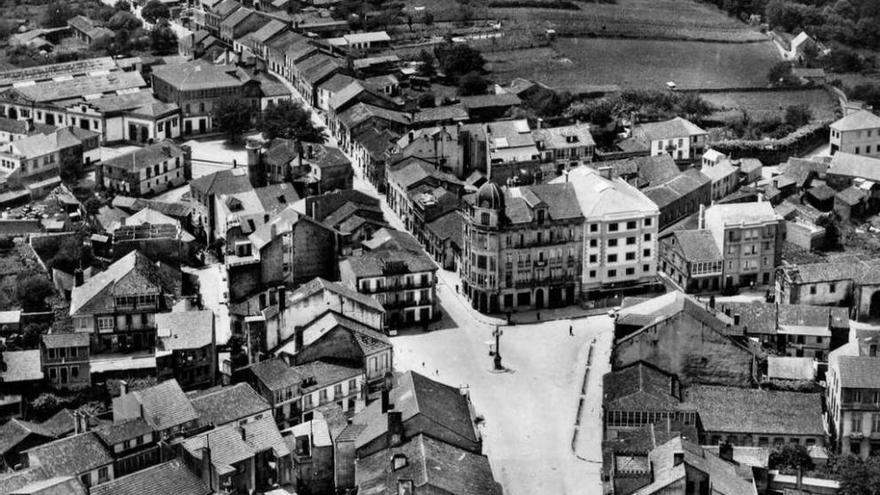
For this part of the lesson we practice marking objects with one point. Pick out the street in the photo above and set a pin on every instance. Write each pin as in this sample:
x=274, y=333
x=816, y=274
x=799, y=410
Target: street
x=212, y=286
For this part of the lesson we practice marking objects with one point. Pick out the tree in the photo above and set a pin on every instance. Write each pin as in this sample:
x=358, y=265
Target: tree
x=832, y=230
x=693, y=107
x=858, y=477
x=427, y=100
x=155, y=10
x=798, y=115
x=31, y=335
x=780, y=75
x=92, y=206
x=472, y=83
x=232, y=116
x=163, y=40
x=32, y=290
x=457, y=59
x=57, y=14
x=122, y=5
x=426, y=67
x=290, y=120
x=124, y=20
x=790, y=458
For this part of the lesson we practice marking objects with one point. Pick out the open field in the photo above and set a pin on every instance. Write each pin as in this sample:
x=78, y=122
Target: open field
x=633, y=63
x=760, y=105
x=666, y=19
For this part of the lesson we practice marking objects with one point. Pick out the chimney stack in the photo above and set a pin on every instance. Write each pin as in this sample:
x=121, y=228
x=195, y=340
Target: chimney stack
x=725, y=451
x=386, y=401
x=701, y=219
x=395, y=428
x=297, y=338
x=78, y=277
x=123, y=387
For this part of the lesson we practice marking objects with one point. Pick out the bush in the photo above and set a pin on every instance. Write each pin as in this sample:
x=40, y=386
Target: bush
x=472, y=84
x=32, y=290
x=534, y=4
x=457, y=59
x=155, y=10
x=798, y=115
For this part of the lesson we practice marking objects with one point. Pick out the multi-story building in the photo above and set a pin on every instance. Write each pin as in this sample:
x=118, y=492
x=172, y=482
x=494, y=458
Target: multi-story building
x=679, y=138
x=147, y=171
x=402, y=280
x=82, y=456
x=185, y=348
x=196, y=87
x=65, y=360
x=691, y=260
x=853, y=397
x=857, y=133
x=164, y=407
x=724, y=176
x=41, y=156
x=522, y=247
x=136, y=117
x=749, y=236
x=276, y=381
x=204, y=191
x=132, y=443
x=117, y=307
x=567, y=146
x=680, y=196
x=619, y=232
x=325, y=382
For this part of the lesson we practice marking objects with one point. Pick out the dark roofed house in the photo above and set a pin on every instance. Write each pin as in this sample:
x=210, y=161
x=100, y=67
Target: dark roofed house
x=164, y=407
x=489, y=107
x=185, y=347
x=16, y=436
x=851, y=203
x=238, y=404
x=444, y=238
x=691, y=260
x=132, y=442
x=64, y=358
x=742, y=416
x=148, y=170
x=206, y=188
x=86, y=30
x=82, y=456
x=680, y=196
x=169, y=478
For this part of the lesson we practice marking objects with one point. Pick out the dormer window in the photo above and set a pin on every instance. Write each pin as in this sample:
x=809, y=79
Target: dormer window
x=571, y=139
x=485, y=219
x=541, y=216
x=404, y=487
x=398, y=461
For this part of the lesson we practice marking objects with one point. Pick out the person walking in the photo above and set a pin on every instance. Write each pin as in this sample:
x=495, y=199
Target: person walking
x=571, y=330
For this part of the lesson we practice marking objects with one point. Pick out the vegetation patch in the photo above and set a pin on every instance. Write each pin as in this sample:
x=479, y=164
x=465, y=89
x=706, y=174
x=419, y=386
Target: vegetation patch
x=534, y=4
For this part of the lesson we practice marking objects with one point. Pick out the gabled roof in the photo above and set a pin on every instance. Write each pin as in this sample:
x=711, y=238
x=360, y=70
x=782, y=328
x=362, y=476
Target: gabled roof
x=132, y=274
x=855, y=166
x=852, y=195
x=861, y=120
x=55, y=340
x=490, y=101
x=224, y=405
x=374, y=263
x=598, y=196
x=413, y=395
x=168, y=478
x=224, y=182
x=362, y=112
x=639, y=387
x=130, y=429
x=568, y=136
x=697, y=245
x=16, y=430
x=318, y=284
x=225, y=446
x=431, y=465
x=415, y=171
x=71, y=456
x=770, y=412
x=669, y=129
x=448, y=226
x=200, y=74
x=858, y=371
x=148, y=156
x=272, y=28
x=720, y=170
x=738, y=213
x=165, y=405
x=79, y=87
x=368, y=339
x=61, y=423
x=184, y=330
x=274, y=374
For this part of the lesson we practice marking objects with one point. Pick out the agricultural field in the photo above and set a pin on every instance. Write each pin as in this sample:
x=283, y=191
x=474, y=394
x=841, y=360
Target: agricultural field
x=658, y=19
x=573, y=63
x=762, y=105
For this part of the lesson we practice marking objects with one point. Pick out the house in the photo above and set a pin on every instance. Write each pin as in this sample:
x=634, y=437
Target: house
x=802, y=224
x=136, y=117
x=857, y=133
x=186, y=348
x=680, y=196
x=713, y=157
x=422, y=464
x=164, y=407
x=639, y=395
x=566, y=146
x=312, y=299
x=132, y=443
x=402, y=280
x=240, y=458
x=511, y=150
x=17, y=436
x=849, y=283
x=169, y=478
x=23, y=372
x=848, y=170
x=237, y=404
x=331, y=337
x=312, y=446
x=360, y=42
x=749, y=237
x=317, y=169
x=205, y=190
x=800, y=45
x=679, y=465
x=691, y=260
x=237, y=215
x=279, y=385
x=323, y=382
x=444, y=240
x=154, y=234
x=679, y=138
x=363, y=116
x=742, y=416
x=147, y=171
x=313, y=71
x=85, y=29
x=415, y=405
x=853, y=398
x=82, y=456
x=41, y=156
x=694, y=344
x=408, y=183
x=354, y=215
x=619, y=232
x=522, y=247
x=485, y=108
x=60, y=484
x=117, y=308
x=724, y=176
x=65, y=360
x=241, y=22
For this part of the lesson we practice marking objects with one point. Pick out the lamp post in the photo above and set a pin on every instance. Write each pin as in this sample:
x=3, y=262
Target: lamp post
x=497, y=334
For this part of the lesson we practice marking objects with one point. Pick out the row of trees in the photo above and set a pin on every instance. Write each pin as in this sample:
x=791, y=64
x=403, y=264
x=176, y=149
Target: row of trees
x=650, y=104
x=289, y=120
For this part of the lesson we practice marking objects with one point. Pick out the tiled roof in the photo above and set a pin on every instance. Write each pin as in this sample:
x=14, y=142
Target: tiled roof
x=697, y=245
x=376, y=142
x=226, y=7
x=719, y=171
x=723, y=476
x=15, y=430
x=737, y=213
x=263, y=435
x=274, y=374
x=561, y=201
x=236, y=18
x=325, y=374
x=413, y=171
x=449, y=226
x=184, y=329
x=735, y=410
x=441, y=406
x=266, y=32
x=168, y=478
x=863, y=119
x=649, y=170
x=22, y=366
x=324, y=156
x=762, y=318
x=598, y=196
x=199, y=74
x=852, y=195
x=826, y=272
x=165, y=405
x=859, y=166
x=367, y=338
x=822, y=192
x=801, y=169
x=13, y=126
x=61, y=423
x=145, y=157
x=858, y=371
x=227, y=448
x=388, y=238
x=318, y=68
x=228, y=404
x=669, y=129
x=318, y=284
x=337, y=83
x=16, y=480
x=55, y=340
x=362, y=112
x=432, y=466
x=639, y=387
x=71, y=456
x=373, y=264
x=443, y=113
x=130, y=429
x=224, y=182
x=561, y=137
x=681, y=185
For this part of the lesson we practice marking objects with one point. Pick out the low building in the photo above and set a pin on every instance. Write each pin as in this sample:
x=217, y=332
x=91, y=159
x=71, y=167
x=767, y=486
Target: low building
x=185, y=348
x=279, y=385
x=690, y=259
x=409, y=181
x=680, y=196
x=679, y=138
x=164, y=407
x=724, y=176
x=854, y=284
x=65, y=360
x=82, y=456
x=317, y=296
x=147, y=171
x=132, y=443
x=135, y=117
x=848, y=170
x=41, y=156
x=857, y=133
x=18, y=436
x=169, y=478
x=237, y=404
x=86, y=30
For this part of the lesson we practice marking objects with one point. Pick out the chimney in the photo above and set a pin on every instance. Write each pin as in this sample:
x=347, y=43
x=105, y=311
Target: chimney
x=800, y=478
x=725, y=451
x=297, y=338
x=540, y=122
x=123, y=387
x=80, y=422
x=206, y=462
x=677, y=458
x=386, y=401
x=605, y=172
x=701, y=219
x=395, y=428
x=78, y=277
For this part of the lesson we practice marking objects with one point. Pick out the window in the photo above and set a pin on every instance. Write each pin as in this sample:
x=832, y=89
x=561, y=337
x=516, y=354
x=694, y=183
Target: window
x=307, y=401
x=594, y=227
x=813, y=290
x=51, y=353
x=594, y=243
x=630, y=271
x=647, y=222
x=103, y=475
x=875, y=423
x=630, y=241
x=352, y=385
x=592, y=258
x=832, y=288
x=322, y=396
x=105, y=324
x=592, y=273
x=630, y=256
x=612, y=242
x=646, y=268
x=612, y=258
x=612, y=273
x=337, y=390
x=630, y=225
x=612, y=227
x=856, y=422
x=855, y=396
x=646, y=253
x=74, y=371
x=647, y=237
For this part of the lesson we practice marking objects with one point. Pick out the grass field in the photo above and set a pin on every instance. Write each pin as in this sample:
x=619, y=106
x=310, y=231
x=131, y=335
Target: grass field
x=761, y=105
x=665, y=19
x=631, y=63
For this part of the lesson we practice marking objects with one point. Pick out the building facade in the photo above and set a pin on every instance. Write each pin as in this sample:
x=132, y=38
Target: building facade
x=148, y=170
x=857, y=133
x=749, y=237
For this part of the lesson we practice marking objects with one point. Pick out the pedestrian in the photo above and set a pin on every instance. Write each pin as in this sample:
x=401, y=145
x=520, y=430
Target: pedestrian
x=539, y=316
x=437, y=372
x=571, y=330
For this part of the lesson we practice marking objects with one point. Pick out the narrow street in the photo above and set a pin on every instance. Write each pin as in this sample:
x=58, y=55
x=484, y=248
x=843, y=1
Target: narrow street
x=212, y=286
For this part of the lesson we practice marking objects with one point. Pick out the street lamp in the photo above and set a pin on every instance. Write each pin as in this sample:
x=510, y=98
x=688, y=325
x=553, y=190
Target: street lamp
x=497, y=334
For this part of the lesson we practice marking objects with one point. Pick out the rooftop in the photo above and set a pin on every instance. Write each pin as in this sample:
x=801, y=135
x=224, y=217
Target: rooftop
x=21, y=366
x=168, y=478
x=569, y=136
x=732, y=410
x=378, y=263
x=858, y=371
x=184, y=330
x=863, y=119
x=599, y=197
x=165, y=405
x=71, y=456
x=148, y=156
x=199, y=74
x=697, y=245
x=669, y=129
x=78, y=87
x=855, y=166
x=224, y=405
x=318, y=284
x=130, y=429
x=640, y=387
x=734, y=214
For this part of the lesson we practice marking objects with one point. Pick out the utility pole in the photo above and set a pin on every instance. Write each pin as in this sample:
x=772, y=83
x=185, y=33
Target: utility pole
x=497, y=333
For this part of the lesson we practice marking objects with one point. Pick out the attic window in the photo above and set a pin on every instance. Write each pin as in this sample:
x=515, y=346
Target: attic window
x=571, y=139
x=540, y=216
x=404, y=487
x=398, y=461
x=282, y=199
